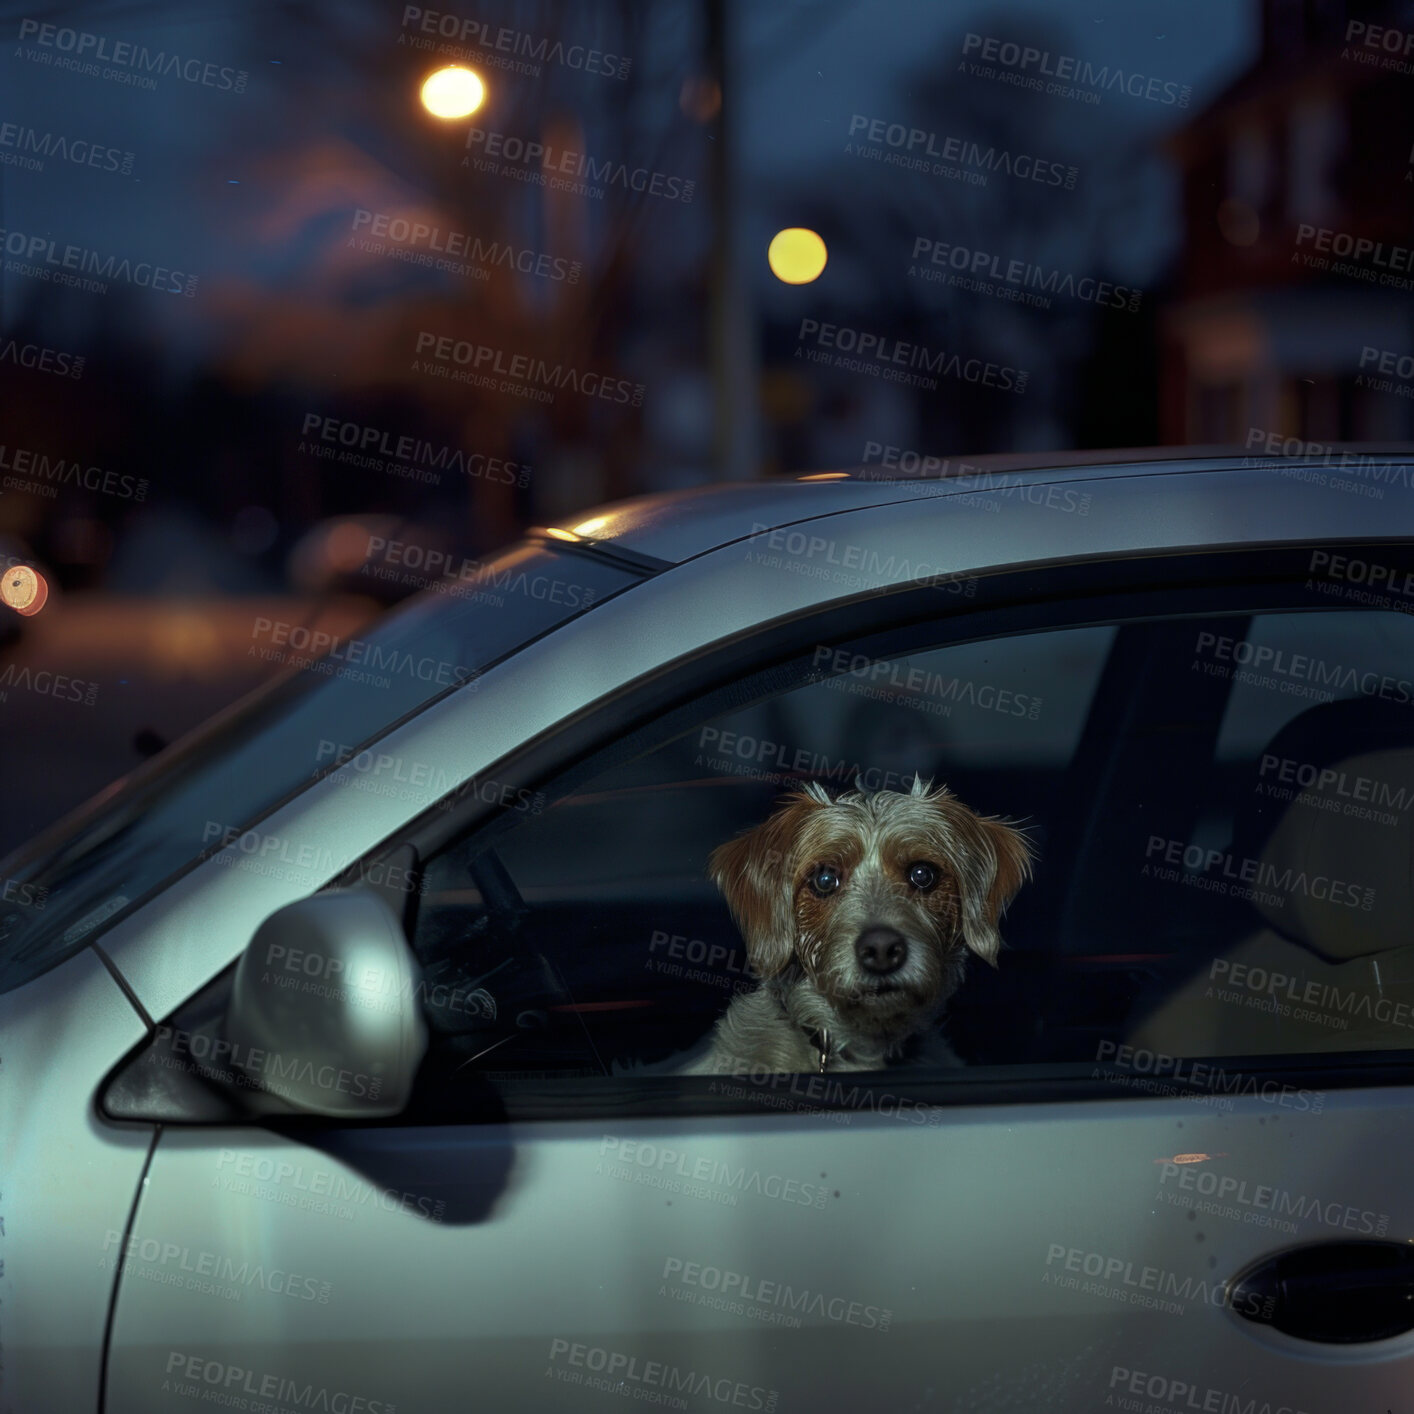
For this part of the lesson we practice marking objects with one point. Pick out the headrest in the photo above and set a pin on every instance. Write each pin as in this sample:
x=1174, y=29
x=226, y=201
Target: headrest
x=1327, y=846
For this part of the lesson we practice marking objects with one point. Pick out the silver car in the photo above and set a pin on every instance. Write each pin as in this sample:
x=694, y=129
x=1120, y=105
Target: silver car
x=326, y=1038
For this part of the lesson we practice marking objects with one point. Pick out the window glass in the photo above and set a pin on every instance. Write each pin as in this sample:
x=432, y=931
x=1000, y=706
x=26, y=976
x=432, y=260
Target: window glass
x=1299, y=859
x=230, y=773
x=996, y=707
x=1160, y=782
x=1288, y=663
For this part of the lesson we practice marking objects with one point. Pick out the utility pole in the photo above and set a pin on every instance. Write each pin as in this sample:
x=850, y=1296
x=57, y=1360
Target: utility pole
x=733, y=354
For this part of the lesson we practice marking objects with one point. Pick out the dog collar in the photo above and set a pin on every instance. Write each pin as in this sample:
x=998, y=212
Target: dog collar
x=819, y=1039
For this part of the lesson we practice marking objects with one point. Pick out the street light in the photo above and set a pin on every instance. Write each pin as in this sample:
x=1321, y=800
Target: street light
x=453, y=92
x=796, y=256
x=24, y=590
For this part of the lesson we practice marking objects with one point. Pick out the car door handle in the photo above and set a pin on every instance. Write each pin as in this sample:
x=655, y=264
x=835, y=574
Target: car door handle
x=1336, y=1293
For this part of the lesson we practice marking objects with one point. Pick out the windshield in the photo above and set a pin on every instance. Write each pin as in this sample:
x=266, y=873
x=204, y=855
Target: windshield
x=336, y=697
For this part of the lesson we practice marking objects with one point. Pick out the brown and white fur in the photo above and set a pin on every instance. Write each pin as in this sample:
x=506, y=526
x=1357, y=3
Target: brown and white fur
x=858, y=913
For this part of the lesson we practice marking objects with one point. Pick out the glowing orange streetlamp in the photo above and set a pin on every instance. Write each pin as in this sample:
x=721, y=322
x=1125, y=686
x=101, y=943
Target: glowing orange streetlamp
x=24, y=590
x=453, y=92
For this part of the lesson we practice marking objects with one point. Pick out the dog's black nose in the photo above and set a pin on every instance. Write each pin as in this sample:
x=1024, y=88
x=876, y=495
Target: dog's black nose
x=880, y=950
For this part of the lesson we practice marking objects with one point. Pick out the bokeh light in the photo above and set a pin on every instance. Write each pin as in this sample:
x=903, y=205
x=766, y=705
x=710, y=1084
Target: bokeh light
x=1239, y=223
x=797, y=256
x=700, y=98
x=453, y=92
x=24, y=589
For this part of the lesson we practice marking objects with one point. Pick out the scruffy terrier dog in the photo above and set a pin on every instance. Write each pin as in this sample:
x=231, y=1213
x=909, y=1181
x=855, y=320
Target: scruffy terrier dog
x=858, y=913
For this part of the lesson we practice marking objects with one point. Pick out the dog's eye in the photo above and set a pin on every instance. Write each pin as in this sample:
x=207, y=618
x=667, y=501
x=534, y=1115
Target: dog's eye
x=825, y=880
x=922, y=876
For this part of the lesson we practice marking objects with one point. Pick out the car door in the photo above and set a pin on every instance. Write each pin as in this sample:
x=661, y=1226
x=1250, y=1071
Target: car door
x=1073, y=1220
x=67, y=1183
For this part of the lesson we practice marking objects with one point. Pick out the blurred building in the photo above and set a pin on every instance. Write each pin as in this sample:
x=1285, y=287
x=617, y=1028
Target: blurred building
x=1316, y=136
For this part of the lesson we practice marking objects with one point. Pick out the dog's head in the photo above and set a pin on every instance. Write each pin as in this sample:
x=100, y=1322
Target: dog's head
x=876, y=897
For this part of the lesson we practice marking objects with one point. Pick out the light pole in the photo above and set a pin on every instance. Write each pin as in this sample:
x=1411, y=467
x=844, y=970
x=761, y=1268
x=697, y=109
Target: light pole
x=734, y=357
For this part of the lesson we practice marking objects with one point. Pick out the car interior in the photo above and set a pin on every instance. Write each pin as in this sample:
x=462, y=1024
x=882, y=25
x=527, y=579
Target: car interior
x=604, y=946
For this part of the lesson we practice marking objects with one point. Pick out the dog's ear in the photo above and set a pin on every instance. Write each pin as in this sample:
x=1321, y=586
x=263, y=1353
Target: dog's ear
x=755, y=874
x=998, y=861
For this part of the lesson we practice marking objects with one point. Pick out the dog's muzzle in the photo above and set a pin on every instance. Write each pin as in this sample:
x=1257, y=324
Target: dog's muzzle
x=881, y=951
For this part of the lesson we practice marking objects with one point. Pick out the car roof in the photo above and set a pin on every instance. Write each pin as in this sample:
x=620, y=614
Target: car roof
x=671, y=527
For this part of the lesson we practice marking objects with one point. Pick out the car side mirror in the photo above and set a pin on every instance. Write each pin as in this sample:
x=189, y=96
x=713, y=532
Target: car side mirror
x=324, y=1010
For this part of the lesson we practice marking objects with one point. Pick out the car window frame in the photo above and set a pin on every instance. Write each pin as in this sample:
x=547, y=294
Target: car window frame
x=889, y=624
x=685, y=692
